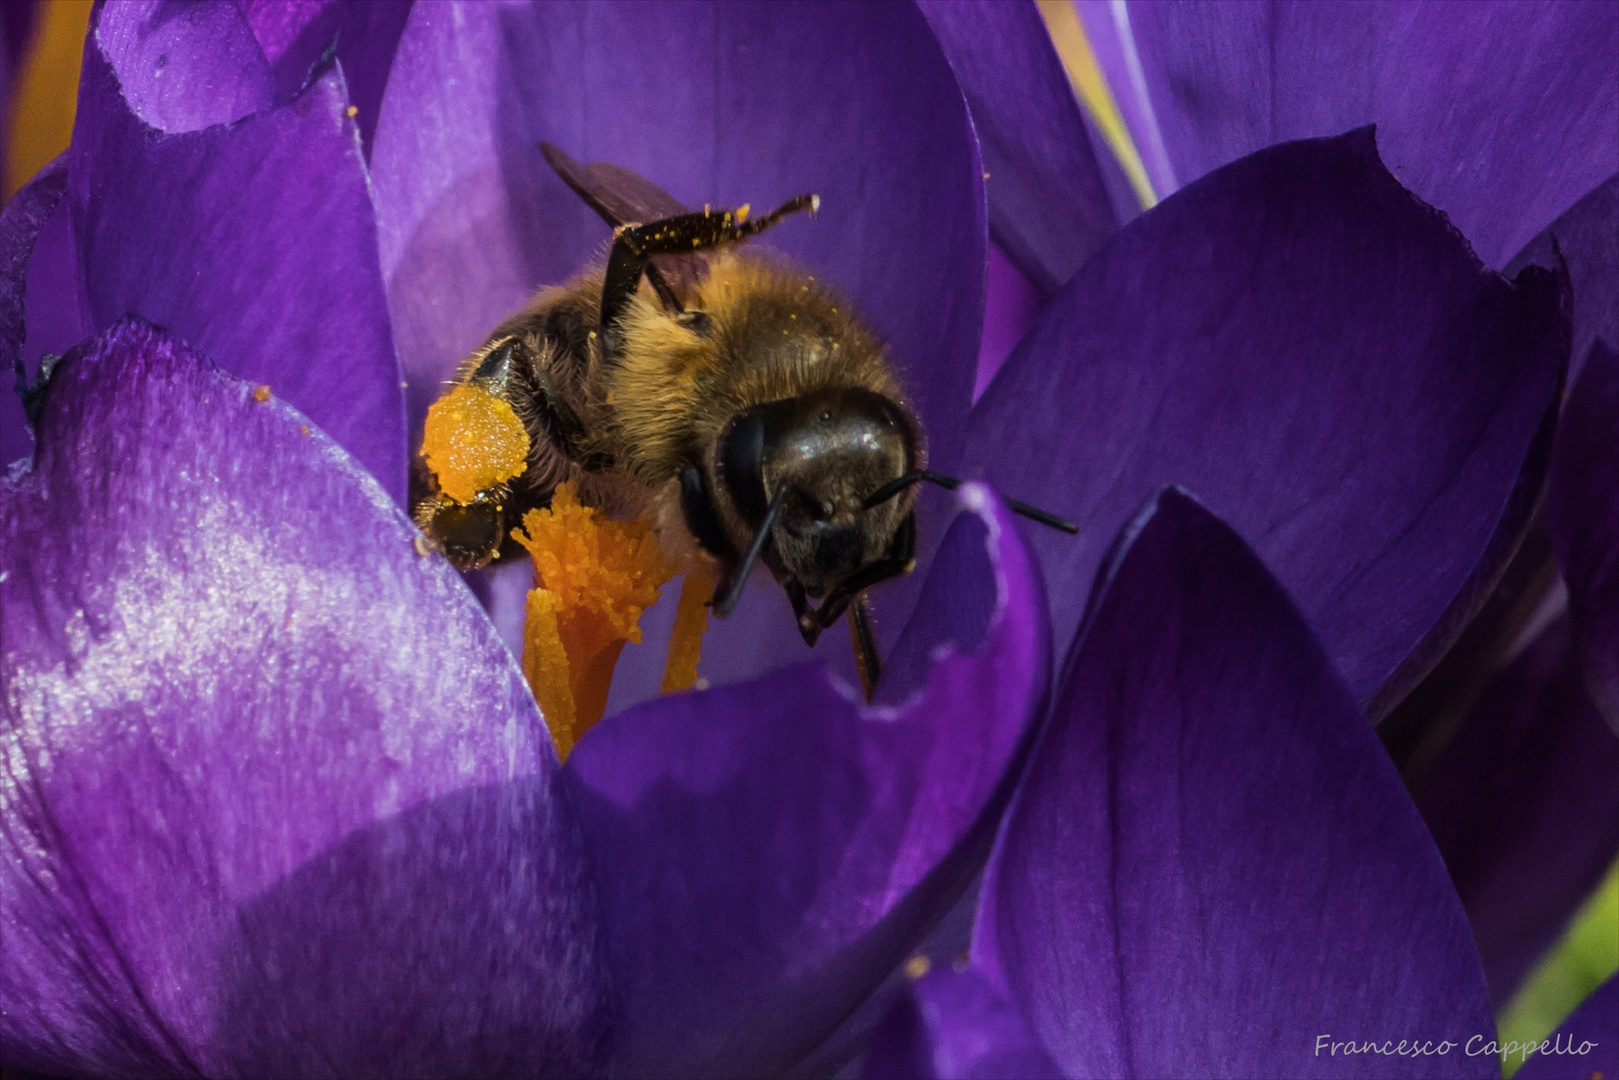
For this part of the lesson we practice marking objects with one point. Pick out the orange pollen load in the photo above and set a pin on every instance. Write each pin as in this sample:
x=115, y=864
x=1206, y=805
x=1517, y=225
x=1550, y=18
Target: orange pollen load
x=593, y=578
x=473, y=441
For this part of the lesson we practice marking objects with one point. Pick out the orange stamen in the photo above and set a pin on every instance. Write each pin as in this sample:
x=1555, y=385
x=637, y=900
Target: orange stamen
x=686, y=639
x=594, y=578
x=545, y=665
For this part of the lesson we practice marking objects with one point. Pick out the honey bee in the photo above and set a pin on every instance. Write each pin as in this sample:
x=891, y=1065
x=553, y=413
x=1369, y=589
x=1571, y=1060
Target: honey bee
x=742, y=404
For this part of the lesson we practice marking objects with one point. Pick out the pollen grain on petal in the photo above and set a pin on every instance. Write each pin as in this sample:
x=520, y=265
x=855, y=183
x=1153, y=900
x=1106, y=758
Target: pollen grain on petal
x=472, y=441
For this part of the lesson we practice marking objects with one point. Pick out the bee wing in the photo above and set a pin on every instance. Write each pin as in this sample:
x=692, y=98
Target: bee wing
x=624, y=197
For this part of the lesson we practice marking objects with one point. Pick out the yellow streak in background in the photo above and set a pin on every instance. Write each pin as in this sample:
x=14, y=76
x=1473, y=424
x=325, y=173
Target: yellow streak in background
x=47, y=91
x=1090, y=86
x=1585, y=958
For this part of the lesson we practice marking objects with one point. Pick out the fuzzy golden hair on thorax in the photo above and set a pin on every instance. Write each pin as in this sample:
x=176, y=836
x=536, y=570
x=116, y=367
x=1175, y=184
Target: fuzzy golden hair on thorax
x=756, y=330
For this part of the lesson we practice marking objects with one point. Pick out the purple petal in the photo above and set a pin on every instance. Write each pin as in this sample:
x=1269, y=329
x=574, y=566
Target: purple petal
x=1317, y=355
x=1501, y=115
x=717, y=103
x=1211, y=861
x=56, y=312
x=1524, y=807
x=20, y=225
x=954, y=1026
x=17, y=22
x=276, y=24
x=1587, y=239
x=182, y=67
x=1586, y=1046
x=362, y=34
x=254, y=242
x=767, y=852
x=1107, y=27
x=275, y=800
x=1583, y=516
x=1011, y=304
x=1048, y=205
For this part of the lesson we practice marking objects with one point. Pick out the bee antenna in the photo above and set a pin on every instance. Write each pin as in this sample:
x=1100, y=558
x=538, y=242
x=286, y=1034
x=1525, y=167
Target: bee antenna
x=724, y=605
x=950, y=483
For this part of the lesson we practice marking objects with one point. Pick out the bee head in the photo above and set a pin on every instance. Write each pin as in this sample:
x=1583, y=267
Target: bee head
x=823, y=454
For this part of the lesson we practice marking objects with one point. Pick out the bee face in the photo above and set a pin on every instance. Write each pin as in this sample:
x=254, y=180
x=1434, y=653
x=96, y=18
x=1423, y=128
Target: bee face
x=824, y=453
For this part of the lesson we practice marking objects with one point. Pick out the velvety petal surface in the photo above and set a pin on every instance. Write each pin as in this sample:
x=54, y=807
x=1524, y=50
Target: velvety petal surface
x=1583, y=516
x=1587, y=240
x=1210, y=861
x=717, y=103
x=1048, y=206
x=254, y=242
x=954, y=1026
x=1524, y=807
x=767, y=852
x=1587, y=1043
x=1011, y=304
x=274, y=799
x=362, y=35
x=183, y=67
x=1316, y=354
x=56, y=315
x=1501, y=115
x=20, y=223
x=188, y=66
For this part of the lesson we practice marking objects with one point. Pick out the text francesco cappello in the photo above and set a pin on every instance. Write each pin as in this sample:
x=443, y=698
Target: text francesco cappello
x=1476, y=1046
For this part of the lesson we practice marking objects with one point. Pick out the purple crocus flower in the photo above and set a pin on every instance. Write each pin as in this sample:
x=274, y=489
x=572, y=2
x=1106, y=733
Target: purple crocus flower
x=1211, y=867
x=278, y=801
x=1499, y=115
x=1506, y=117
x=275, y=798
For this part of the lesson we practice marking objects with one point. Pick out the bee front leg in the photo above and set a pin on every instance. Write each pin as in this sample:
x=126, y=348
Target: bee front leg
x=809, y=627
x=866, y=657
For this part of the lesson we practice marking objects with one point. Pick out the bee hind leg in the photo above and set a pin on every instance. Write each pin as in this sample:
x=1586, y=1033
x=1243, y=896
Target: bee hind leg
x=635, y=245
